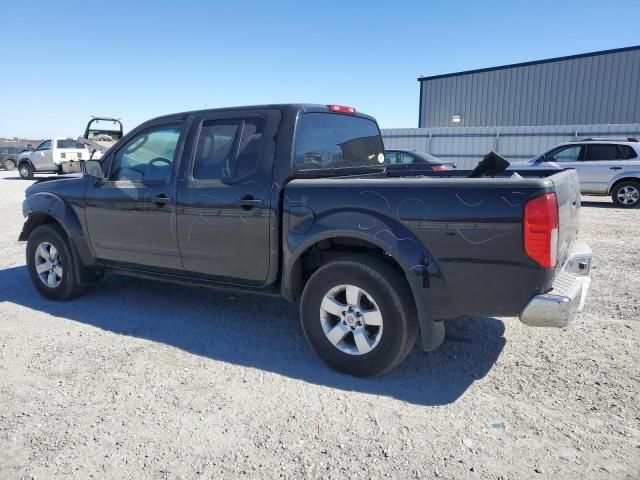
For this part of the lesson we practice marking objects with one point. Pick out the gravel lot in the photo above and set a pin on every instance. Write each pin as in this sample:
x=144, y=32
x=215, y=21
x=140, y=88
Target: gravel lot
x=139, y=379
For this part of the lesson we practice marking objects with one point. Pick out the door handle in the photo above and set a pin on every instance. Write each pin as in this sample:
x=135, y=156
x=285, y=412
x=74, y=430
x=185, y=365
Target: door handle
x=615, y=168
x=248, y=202
x=162, y=199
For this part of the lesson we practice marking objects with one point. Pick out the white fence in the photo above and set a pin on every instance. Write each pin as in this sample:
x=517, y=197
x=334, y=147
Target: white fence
x=467, y=145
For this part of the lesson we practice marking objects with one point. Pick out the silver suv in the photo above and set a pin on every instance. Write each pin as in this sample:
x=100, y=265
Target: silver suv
x=604, y=166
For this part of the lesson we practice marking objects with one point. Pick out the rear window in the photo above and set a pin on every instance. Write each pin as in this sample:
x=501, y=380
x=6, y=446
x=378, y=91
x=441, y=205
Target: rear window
x=335, y=141
x=628, y=152
x=70, y=144
x=602, y=152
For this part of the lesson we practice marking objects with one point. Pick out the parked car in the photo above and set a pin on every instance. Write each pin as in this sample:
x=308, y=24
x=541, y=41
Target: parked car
x=8, y=157
x=57, y=155
x=605, y=167
x=400, y=156
x=296, y=200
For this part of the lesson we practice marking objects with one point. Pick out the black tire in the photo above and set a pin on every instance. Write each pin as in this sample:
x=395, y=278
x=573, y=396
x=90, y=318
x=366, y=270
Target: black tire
x=9, y=165
x=619, y=198
x=68, y=286
x=25, y=170
x=392, y=295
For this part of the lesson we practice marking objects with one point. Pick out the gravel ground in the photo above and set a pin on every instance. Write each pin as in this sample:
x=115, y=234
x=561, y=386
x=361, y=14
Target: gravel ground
x=140, y=379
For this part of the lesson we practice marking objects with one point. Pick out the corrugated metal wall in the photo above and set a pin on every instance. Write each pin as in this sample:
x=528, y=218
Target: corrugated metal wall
x=601, y=88
x=467, y=146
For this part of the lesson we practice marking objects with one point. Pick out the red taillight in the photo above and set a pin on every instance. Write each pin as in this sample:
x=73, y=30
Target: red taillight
x=341, y=109
x=541, y=229
x=440, y=167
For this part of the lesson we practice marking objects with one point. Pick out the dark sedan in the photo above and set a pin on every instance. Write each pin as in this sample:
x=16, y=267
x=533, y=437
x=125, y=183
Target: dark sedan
x=414, y=157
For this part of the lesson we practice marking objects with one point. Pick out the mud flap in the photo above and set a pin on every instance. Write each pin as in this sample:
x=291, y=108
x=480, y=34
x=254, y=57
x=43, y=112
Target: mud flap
x=431, y=330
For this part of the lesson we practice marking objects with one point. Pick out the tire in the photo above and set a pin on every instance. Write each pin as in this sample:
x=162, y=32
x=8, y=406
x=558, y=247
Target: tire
x=25, y=170
x=626, y=194
x=382, y=289
x=9, y=165
x=58, y=282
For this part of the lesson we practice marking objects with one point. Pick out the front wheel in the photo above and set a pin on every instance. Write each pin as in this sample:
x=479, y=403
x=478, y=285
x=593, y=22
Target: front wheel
x=26, y=171
x=359, y=316
x=50, y=263
x=626, y=194
x=9, y=165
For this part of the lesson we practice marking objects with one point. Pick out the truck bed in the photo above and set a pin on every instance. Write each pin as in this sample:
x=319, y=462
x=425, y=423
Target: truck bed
x=468, y=229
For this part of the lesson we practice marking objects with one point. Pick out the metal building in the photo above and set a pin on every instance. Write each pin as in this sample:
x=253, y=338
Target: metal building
x=593, y=88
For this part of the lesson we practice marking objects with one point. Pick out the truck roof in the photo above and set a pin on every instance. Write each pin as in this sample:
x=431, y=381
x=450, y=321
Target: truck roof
x=291, y=107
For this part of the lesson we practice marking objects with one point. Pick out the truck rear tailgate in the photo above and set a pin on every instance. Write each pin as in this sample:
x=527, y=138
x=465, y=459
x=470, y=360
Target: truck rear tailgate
x=567, y=188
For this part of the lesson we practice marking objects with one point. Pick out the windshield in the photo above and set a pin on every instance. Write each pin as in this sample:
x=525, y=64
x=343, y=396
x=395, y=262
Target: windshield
x=70, y=144
x=335, y=141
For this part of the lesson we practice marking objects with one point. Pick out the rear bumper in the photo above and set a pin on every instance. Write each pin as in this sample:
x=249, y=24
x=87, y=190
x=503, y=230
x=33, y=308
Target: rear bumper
x=562, y=304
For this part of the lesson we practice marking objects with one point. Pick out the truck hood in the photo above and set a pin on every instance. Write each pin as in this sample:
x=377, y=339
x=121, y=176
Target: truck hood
x=55, y=184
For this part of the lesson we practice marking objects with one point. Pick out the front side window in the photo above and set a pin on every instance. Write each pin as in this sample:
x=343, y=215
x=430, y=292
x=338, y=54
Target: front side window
x=228, y=149
x=564, y=154
x=335, y=141
x=147, y=157
x=46, y=145
x=602, y=152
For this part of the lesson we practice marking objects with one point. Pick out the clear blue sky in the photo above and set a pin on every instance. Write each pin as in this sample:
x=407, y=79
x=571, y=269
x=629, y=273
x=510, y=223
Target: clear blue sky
x=143, y=59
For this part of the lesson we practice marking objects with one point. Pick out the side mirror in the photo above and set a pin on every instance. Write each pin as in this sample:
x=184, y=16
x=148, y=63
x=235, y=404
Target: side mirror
x=93, y=169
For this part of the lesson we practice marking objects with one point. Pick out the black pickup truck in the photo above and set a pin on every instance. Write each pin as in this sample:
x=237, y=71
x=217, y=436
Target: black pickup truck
x=296, y=200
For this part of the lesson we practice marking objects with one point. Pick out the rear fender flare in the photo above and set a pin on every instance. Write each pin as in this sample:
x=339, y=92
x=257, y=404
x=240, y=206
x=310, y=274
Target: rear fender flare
x=418, y=265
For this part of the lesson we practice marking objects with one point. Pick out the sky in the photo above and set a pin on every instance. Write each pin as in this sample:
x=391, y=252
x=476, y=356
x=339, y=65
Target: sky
x=140, y=59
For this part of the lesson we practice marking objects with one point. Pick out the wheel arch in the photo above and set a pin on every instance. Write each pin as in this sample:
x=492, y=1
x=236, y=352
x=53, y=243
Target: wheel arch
x=42, y=208
x=413, y=261
x=628, y=177
x=340, y=243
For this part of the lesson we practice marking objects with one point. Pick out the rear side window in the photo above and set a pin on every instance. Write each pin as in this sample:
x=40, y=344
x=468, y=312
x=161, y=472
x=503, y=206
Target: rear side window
x=406, y=159
x=602, y=152
x=228, y=149
x=69, y=143
x=391, y=158
x=334, y=141
x=628, y=152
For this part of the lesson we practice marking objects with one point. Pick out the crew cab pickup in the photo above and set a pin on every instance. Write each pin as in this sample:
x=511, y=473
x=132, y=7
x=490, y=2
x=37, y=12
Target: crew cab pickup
x=56, y=155
x=296, y=200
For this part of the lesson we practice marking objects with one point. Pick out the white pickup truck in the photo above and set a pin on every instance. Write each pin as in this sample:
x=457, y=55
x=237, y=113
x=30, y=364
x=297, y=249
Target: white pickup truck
x=56, y=155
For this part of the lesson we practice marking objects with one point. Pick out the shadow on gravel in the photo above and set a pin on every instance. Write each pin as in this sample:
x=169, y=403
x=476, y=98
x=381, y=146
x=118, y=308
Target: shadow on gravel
x=589, y=204
x=262, y=333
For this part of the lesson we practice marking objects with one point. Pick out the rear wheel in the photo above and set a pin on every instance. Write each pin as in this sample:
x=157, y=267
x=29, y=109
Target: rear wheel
x=50, y=263
x=9, y=164
x=25, y=170
x=626, y=194
x=359, y=316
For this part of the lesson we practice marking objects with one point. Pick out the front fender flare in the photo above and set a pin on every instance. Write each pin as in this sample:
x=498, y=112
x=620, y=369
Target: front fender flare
x=46, y=203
